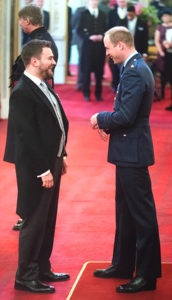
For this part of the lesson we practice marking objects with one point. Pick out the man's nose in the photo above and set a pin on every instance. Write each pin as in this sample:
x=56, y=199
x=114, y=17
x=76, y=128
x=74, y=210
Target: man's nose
x=54, y=62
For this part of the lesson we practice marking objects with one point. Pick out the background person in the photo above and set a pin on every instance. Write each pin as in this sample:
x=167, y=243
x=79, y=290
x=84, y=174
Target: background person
x=138, y=29
x=76, y=39
x=137, y=245
x=91, y=28
x=164, y=60
x=117, y=17
x=30, y=19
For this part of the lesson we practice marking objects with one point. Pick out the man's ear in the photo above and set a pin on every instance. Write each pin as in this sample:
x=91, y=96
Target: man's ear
x=121, y=45
x=34, y=61
x=28, y=21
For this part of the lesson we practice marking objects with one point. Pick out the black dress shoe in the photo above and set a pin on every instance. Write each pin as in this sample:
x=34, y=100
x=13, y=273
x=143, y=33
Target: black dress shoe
x=169, y=108
x=137, y=284
x=99, y=98
x=34, y=286
x=17, y=227
x=52, y=277
x=111, y=272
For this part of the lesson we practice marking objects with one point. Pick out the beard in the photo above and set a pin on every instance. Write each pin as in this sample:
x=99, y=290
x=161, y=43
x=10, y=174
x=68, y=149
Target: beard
x=46, y=73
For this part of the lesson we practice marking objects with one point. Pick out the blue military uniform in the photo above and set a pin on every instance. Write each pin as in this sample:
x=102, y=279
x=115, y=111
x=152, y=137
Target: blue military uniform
x=131, y=150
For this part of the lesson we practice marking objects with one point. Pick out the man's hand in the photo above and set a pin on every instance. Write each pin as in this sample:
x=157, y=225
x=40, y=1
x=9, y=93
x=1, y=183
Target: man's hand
x=93, y=121
x=64, y=167
x=103, y=134
x=47, y=181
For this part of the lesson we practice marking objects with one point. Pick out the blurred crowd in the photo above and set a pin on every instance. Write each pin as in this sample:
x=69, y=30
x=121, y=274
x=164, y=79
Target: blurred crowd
x=87, y=27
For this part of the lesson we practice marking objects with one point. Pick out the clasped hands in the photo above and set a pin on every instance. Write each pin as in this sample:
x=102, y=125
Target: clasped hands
x=96, y=37
x=94, y=125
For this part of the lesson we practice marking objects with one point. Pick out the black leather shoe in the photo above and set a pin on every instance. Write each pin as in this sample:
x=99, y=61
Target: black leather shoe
x=137, y=284
x=17, y=227
x=34, y=286
x=99, y=98
x=169, y=108
x=111, y=272
x=52, y=277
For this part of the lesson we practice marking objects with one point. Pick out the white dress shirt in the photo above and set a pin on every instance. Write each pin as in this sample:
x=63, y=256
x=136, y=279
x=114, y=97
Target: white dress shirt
x=122, y=12
x=132, y=26
x=94, y=12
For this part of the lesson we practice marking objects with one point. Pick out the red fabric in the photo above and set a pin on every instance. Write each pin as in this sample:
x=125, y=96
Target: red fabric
x=93, y=288
x=85, y=222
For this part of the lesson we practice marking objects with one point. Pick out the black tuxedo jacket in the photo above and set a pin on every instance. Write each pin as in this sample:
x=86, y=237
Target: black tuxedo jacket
x=85, y=29
x=114, y=19
x=140, y=36
x=46, y=19
x=130, y=142
x=33, y=140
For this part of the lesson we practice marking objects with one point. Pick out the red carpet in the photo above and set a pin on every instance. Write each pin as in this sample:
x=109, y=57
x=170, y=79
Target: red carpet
x=85, y=223
x=89, y=287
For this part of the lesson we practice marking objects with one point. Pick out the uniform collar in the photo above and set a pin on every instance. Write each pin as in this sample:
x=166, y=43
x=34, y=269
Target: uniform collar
x=129, y=57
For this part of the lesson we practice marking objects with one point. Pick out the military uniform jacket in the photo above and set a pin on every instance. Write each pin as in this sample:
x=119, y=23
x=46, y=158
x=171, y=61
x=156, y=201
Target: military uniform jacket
x=130, y=136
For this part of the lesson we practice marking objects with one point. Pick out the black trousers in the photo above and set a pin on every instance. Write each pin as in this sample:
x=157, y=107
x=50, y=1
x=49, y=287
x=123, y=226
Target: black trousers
x=86, y=83
x=137, y=244
x=37, y=232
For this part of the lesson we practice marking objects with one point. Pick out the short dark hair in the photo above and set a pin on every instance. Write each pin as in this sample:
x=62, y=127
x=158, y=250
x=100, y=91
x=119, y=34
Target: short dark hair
x=165, y=11
x=33, y=48
x=131, y=8
x=33, y=13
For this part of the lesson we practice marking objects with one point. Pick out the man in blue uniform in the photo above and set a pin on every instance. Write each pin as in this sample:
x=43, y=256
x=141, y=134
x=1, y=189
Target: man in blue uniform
x=137, y=245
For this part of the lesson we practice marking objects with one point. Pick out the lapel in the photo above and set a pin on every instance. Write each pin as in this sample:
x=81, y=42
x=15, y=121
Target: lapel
x=58, y=100
x=40, y=95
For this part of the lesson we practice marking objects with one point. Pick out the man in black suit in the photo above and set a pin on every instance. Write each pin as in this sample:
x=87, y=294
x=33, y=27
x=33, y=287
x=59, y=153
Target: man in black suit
x=118, y=15
x=137, y=243
x=91, y=28
x=76, y=39
x=45, y=14
x=39, y=124
x=45, y=17
x=139, y=30
x=30, y=19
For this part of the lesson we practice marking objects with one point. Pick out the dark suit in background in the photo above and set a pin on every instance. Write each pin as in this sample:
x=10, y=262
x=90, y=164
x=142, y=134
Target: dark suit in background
x=92, y=53
x=131, y=150
x=69, y=40
x=115, y=20
x=34, y=151
x=46, y=21
x=141, y=37
x=41, y=34
x=76, y=39
x=138, y=29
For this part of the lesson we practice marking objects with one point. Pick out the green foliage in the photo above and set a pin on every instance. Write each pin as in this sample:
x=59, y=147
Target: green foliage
x=150, y=15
